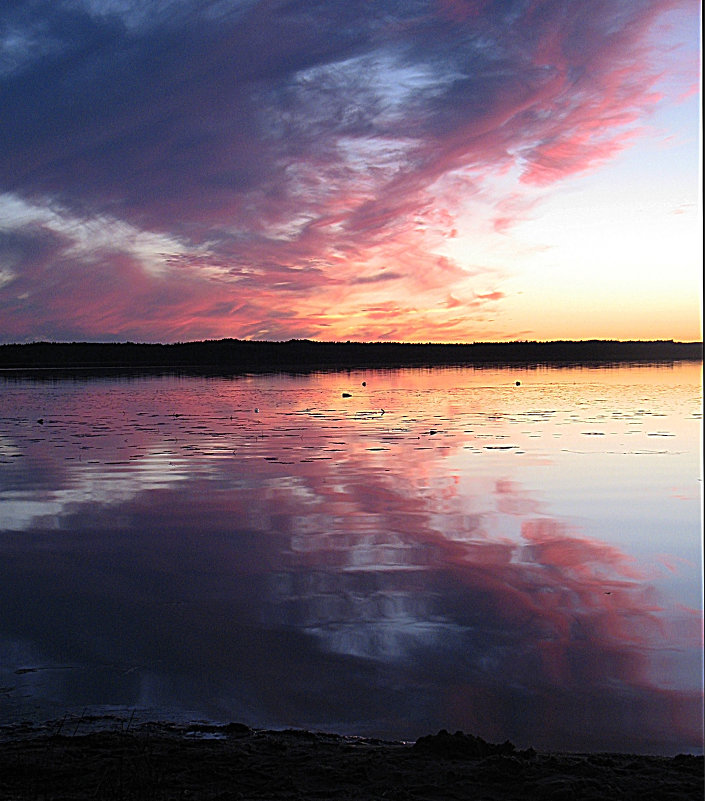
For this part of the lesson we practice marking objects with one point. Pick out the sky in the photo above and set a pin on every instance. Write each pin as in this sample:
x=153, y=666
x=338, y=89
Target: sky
x=404, y=170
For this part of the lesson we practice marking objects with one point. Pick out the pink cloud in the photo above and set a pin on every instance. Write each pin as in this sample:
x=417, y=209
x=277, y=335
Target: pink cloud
x=309, y=157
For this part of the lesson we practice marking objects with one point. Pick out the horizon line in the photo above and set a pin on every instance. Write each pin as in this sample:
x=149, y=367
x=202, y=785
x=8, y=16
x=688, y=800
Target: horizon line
x=590, y=340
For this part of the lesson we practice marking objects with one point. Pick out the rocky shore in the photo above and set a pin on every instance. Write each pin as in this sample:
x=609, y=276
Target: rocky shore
x=161, y=762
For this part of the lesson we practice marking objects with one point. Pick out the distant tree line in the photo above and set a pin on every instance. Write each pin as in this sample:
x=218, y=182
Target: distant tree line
x=234, y=355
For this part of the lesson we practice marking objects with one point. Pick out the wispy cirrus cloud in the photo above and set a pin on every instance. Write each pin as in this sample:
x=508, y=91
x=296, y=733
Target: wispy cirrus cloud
x=199, y=164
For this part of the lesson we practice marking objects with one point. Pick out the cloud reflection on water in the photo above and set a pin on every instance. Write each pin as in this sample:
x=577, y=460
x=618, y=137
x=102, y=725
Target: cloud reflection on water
x=366, y=592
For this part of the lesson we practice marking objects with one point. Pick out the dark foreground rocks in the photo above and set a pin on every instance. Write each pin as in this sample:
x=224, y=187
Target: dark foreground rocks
x=161, y=762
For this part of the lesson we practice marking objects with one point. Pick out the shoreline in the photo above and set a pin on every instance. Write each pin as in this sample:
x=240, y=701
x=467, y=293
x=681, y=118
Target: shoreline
x=300, y=356
x=114, y=758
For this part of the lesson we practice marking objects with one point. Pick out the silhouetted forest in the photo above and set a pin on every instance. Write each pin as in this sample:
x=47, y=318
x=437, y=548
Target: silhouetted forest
x=233, y=355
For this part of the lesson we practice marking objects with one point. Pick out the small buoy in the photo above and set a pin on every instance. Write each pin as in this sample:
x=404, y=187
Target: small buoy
x=364, y=383
x=518, y=383
x=256, y=411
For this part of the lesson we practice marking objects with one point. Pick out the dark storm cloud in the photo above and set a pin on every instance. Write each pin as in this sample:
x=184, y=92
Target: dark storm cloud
x=165, y=118
x=190, y=114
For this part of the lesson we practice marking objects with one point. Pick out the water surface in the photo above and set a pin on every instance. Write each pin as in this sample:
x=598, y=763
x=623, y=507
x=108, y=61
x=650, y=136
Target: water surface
x=370, y=552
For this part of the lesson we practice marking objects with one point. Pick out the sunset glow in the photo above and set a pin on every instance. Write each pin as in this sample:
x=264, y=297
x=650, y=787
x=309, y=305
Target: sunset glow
x=451, y=170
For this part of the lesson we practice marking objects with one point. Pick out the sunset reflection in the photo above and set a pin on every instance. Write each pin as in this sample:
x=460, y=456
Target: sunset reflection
x=318, y=563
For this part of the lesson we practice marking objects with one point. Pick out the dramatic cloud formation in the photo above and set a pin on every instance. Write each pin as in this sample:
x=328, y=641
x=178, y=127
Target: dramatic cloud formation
x=331, y=170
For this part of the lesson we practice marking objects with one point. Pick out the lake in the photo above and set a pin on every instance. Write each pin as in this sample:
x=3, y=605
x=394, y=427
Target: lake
x=508, y=551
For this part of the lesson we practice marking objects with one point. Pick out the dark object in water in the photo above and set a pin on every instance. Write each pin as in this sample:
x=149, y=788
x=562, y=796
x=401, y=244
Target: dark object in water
x=518, y=383
x=347, y=395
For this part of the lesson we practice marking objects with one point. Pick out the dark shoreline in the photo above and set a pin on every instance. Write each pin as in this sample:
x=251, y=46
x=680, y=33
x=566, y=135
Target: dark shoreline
x=198, y=762
x=244, y=356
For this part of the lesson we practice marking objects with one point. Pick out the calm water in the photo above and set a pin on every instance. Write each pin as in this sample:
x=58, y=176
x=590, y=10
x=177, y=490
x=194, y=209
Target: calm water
x=443, y=548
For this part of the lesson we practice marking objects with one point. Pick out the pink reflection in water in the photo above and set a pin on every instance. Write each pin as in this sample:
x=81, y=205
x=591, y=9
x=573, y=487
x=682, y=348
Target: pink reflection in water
x=318, y=563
